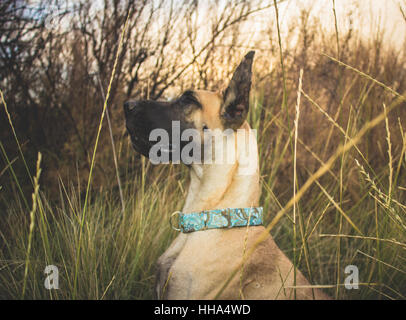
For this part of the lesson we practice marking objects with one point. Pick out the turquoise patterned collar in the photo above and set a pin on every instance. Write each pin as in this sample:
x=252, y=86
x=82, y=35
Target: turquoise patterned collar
x=218, y=218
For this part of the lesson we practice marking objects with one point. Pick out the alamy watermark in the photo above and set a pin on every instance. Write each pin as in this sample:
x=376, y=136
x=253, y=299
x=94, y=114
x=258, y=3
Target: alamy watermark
x=352, y=280
x=212, y=147
x=52, y=277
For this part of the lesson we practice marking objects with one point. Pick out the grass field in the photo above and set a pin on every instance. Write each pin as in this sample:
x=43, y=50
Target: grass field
x=119, y=248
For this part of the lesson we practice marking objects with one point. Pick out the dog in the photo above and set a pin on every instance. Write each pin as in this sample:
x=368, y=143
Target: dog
x=197, y=264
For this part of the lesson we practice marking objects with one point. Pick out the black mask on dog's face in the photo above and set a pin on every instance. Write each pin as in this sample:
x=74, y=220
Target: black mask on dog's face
x=144, y=116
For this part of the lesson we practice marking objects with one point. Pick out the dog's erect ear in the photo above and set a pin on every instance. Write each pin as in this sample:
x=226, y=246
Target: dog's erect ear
x=236, y=97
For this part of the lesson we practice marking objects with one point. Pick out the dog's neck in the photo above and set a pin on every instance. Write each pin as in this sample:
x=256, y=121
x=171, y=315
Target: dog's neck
x=219, y=186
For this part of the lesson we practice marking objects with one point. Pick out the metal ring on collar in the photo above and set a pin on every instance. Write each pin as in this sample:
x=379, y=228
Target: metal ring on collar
x=170, y=220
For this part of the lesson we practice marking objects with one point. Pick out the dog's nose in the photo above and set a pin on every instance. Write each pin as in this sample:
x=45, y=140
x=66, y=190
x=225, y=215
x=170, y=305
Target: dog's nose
x=130, y=106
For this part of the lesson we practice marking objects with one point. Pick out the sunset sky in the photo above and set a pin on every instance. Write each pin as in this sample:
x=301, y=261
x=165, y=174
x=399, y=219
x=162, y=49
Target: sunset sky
x=369, y=15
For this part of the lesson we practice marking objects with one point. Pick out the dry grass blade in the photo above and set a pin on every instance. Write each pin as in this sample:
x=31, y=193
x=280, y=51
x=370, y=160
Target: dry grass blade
x=367, y=76
x=389, y=154
x=120, y=188
x=296, y=124
x=315, y=104
x=94, y=153
x=335, y=204
x=243, y=258
x=403, y=245
x=15, y=135
x=32, y=221
x=336, y=29
x=382, y=262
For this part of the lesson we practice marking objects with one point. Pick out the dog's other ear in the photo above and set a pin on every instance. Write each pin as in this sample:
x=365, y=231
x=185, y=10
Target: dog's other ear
x=236, y=97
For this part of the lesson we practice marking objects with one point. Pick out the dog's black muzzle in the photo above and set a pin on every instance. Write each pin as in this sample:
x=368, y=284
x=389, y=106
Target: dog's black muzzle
x=144, y=116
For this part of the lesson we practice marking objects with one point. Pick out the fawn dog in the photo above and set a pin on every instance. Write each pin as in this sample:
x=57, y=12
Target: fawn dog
x=198, y=263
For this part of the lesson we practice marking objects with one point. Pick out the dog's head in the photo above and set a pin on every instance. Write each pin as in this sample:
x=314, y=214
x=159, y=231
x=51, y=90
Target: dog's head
x=198, y=110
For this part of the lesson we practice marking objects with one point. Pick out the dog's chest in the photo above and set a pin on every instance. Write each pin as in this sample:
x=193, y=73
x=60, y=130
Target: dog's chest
x=203, y=263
